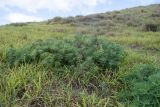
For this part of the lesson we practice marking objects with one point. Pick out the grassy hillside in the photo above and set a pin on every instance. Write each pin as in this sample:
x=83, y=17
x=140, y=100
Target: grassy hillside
x=116, y=65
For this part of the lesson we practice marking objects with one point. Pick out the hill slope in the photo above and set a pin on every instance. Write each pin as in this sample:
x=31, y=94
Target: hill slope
x=112, y=65
x=139, y=18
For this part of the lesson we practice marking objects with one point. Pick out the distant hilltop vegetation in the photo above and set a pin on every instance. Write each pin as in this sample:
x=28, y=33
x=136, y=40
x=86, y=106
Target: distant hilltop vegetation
x=144, y=18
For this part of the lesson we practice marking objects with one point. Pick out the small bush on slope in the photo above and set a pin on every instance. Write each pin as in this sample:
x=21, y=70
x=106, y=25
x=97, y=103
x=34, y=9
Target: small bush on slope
x=18, y=24
x=143, y=87
x=151, y=27
x=67, y=53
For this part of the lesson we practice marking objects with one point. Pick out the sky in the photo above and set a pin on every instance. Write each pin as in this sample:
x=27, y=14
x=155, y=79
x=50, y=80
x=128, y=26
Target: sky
x=12, y=11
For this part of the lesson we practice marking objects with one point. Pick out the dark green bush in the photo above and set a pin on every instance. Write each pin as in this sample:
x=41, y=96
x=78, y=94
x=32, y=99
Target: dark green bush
x=135, y=22
x=69, y=20
x=142, y=87
x=151, y=27
x=18, y=24
x=100, y=16
x=107, y=23
x=61, y=53
x=11, y=56
x=57, y=19
x=87, y=20
x=156, y=13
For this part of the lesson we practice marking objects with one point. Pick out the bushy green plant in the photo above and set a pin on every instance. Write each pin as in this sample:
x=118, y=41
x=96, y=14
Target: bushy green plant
x=142, y=87
x=11, y=56
x=56, y=20
x=18, y=24
x=60, y=53
x=156, y=13
x=151, y=27
x=69, y=20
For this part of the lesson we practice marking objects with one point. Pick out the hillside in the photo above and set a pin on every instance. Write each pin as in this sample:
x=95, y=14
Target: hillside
x=100, y=24
x=107, y=59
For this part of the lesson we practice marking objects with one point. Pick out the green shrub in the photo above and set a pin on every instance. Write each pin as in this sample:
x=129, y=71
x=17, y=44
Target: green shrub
x=100, y=16
x=57, y=19
x=61, y=53
x=1, y=55
x=69, y=20
x=156, y=13
x=11, y=56
x=143, y=87
x=106, y=23
x=151, y=27
x=18, y=24
x=135, y=22
x=87, y=20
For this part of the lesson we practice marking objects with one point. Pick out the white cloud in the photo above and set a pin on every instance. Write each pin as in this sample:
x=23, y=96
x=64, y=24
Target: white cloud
x=52, y=5
x=18, y=17
x=57, y=6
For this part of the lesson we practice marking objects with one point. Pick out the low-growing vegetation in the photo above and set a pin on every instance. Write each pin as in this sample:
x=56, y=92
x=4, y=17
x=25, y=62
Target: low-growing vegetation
x=18, y=24
x=151, y=27
x=59, y=53
x=113, y=61
x=142, y=87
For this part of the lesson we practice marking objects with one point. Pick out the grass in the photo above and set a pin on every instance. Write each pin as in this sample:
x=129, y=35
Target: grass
x=32, y=85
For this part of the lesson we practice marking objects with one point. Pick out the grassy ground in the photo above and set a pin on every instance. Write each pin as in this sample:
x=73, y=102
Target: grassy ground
x=31, y=85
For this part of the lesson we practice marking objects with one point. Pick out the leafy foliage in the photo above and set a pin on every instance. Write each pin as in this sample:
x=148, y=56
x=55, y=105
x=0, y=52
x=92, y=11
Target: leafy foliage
x=143, y=87
x=151, y=27
x=60, y=53
x=18, y=24
x=11, y=56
